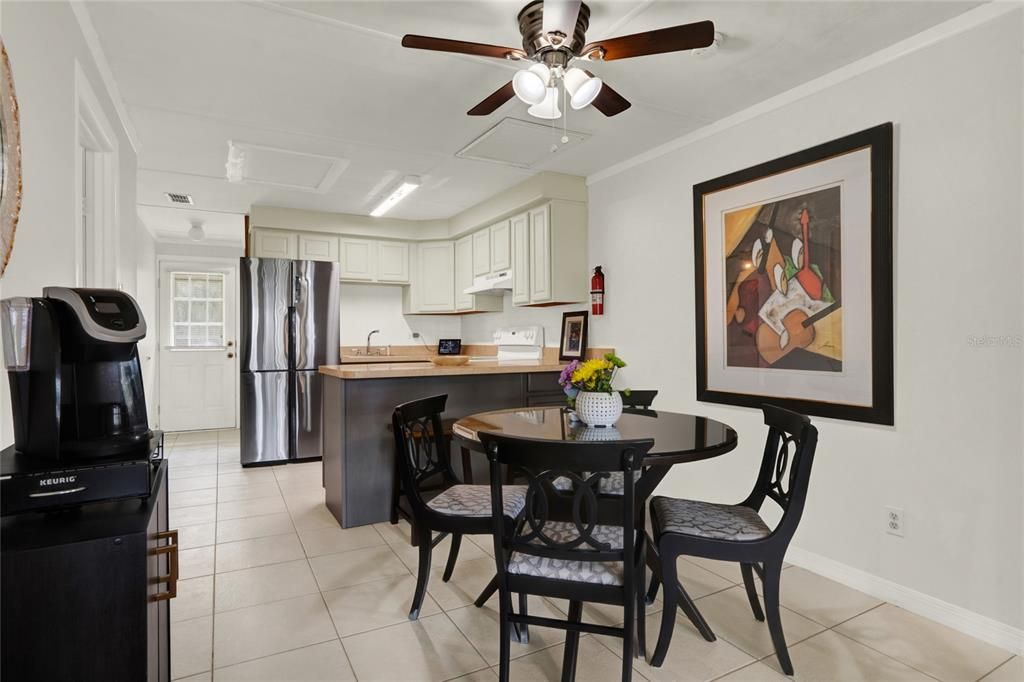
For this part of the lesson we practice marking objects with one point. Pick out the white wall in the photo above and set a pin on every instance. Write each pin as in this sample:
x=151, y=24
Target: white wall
x=953, y=460
x=365, y=307
x=146, y=296
x=44, y=41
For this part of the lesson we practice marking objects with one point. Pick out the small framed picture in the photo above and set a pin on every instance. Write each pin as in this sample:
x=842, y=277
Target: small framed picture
x=574, y=336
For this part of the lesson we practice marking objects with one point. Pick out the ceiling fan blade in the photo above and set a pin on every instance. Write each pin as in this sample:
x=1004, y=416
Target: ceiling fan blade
x=609, y=102
x=461, y=47
x=673, y=39
x=560, y=16
x=493, y=101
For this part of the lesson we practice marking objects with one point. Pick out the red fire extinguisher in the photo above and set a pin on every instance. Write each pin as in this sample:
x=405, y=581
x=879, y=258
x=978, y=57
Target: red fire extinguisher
x=597, y=292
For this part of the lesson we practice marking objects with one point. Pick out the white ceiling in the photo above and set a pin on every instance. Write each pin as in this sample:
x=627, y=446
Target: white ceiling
x=332, y=79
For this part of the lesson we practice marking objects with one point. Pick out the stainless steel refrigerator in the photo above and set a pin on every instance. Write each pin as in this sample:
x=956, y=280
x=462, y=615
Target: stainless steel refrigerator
x=290, y=326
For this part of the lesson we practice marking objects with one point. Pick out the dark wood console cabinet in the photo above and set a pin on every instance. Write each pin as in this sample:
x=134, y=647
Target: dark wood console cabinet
x=84, y=594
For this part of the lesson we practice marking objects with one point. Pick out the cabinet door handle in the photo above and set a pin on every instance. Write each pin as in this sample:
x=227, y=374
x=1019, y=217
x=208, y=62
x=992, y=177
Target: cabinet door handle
x=171, y=550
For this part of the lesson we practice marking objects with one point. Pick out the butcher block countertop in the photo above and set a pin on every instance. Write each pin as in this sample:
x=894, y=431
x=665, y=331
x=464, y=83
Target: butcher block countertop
x=394, y=370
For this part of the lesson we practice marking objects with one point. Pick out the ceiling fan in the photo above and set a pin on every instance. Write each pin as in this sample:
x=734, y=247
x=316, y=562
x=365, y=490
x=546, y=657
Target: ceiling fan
x=554, y=40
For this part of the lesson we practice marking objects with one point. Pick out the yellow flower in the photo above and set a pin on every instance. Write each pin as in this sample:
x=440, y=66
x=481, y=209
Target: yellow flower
x=588, y=371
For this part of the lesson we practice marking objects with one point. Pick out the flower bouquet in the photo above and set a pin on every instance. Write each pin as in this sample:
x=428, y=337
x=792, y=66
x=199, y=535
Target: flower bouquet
x=588, y=388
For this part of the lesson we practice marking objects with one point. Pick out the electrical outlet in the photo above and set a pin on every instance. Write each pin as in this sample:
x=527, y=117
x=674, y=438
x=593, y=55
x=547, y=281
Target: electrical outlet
x=894, y=521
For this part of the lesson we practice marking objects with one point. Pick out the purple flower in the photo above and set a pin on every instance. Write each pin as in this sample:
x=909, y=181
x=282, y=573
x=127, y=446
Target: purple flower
x=565, y=378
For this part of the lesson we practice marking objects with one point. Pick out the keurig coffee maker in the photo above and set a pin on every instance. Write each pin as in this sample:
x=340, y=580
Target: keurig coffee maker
x=76, y=395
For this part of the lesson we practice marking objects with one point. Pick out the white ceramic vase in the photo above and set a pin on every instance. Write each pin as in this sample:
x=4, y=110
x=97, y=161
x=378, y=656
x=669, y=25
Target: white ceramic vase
x=598, y=409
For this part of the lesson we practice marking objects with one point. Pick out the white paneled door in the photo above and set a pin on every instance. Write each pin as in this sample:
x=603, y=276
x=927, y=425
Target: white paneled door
x=198, y=363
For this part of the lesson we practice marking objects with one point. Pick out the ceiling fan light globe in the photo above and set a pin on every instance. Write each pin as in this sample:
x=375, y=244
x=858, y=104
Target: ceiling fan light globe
x=548, y=108
x=530, y=85
x=583, y=88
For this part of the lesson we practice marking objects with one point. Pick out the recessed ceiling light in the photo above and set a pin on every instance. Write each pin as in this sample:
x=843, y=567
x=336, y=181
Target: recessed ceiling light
x=407, y=187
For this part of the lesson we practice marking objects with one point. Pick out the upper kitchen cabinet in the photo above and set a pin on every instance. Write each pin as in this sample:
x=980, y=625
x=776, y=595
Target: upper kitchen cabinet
x=520, y=229
x=274, y=244
x=465, y=258
x=393, y=262
x=318, y=247
x=432, y=283
x=549, y=255
x=358, y=258
x=482, y=252
x=501, y=246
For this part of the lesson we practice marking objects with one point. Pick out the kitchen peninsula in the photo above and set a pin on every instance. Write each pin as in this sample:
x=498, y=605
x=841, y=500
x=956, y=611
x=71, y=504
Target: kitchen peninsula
x=359, y=399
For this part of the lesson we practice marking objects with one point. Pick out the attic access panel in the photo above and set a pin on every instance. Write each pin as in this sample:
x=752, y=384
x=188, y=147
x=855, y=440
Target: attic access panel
x=287, y=168
x=520, y=143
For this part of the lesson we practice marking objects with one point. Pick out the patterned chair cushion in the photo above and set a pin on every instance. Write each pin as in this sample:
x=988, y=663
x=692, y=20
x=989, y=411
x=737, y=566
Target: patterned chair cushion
x=475, y=500
x=707, y=519
x=613, y=485
x=597, y=572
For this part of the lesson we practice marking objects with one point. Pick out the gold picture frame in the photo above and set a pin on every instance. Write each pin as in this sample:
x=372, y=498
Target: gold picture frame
x=10, y=160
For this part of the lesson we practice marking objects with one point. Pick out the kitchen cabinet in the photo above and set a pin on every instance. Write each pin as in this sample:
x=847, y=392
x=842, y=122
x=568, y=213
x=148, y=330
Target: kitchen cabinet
x=357, y=259
x=482, y=252
x=540, y=255
x=463, y=273
x=432, y=282
x=520, y=229
x=544, y=247
x=470, y=303
x=393, y=262
x=549, y=255
x=318, y=247
x=86, y=594
x=501, y=247
x=274, y=244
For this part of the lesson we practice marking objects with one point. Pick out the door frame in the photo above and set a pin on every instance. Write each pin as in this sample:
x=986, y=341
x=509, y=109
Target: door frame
x=165, y=261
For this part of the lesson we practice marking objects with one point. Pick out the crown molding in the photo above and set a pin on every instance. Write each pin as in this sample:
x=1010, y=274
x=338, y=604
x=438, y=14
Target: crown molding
x=947, y=29
x=92, y=41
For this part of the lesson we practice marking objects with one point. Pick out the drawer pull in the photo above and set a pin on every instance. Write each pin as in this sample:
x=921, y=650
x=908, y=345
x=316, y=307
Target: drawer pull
x=171, y=550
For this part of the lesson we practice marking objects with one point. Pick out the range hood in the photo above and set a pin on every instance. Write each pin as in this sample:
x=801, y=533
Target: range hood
x=494, y=283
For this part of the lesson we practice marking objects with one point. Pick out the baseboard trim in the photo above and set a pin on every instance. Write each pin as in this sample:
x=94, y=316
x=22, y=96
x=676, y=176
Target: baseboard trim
x=950, y=615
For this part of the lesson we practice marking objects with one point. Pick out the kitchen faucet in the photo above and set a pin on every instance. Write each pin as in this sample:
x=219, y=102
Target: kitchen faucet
x=375, y=331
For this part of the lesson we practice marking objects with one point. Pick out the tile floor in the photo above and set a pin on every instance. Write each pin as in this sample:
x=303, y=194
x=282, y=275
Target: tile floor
x=273, y=589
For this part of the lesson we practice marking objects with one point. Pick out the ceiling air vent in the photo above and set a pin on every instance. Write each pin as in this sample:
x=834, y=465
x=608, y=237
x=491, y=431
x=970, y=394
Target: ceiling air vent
x=176, y=198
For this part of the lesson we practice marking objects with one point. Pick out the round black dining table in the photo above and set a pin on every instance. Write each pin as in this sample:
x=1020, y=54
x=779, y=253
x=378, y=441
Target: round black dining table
x=678, y=438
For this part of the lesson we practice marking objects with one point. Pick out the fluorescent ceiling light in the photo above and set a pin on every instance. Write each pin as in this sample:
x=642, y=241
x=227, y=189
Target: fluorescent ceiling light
x=235, y=166
x=408, y=186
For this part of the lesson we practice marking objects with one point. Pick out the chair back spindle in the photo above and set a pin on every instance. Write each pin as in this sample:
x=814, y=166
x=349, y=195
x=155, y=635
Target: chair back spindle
x=785, y=466
x=421, y=447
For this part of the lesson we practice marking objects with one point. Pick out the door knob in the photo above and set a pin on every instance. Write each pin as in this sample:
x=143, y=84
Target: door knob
x=230, y=343
x=231, y=355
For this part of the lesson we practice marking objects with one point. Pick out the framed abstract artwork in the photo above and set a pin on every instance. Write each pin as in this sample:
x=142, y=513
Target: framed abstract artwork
x=794, y=281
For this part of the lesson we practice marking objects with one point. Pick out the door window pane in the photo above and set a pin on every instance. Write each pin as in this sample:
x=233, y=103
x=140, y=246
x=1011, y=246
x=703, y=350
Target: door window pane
x=197, y=300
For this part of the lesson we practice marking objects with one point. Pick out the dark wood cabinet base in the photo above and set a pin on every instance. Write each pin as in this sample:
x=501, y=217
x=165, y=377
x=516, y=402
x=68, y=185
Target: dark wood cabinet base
x=359, y=446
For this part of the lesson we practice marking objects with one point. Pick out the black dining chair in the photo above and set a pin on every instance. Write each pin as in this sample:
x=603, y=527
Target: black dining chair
x=577, y=544
x=438, y=502
x=737, y=532
x=638, y=400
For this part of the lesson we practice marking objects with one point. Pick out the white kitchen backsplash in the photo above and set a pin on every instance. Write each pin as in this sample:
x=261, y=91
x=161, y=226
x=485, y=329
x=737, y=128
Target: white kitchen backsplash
x=365, y=307
x=479, y=327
